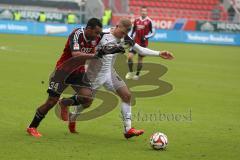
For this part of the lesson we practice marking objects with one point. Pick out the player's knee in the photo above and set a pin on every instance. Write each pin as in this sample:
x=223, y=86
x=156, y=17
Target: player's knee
x=130, y=60
x=87, y=102
x=84, y=101
x=52, y=101
x=127, y=97
x=130, y=56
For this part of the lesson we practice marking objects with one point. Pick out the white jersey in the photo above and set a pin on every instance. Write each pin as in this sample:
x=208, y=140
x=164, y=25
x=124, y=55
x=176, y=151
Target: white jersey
x=108, y=60
x=101, y=71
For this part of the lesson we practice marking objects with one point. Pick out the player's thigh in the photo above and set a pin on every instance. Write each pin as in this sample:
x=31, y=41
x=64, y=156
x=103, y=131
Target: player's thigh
x=80, y=84
x=56, y=85
x=114, y=82
x=83, y=91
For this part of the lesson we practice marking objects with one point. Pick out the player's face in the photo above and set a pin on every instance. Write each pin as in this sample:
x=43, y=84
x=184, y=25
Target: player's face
x=144, y=12
x=92, y=33
x=121, y=31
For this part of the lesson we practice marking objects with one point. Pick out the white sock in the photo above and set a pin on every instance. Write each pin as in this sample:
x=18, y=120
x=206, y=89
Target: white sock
x=126, y=115
x=76, y=112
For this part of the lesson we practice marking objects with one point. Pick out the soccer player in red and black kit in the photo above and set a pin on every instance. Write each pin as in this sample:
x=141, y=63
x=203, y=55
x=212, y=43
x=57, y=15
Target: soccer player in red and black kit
x=70, y=70
x=142, y=30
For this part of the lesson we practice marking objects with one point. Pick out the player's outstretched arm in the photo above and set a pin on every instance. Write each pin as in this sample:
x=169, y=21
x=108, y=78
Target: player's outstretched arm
x=148, y=52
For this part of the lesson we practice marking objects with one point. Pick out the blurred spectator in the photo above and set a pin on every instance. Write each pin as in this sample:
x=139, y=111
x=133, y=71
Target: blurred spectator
x=107, y=16
x=42, y=17
x=17, y=16
x=216, y=13
x=237, y=3
x=231, y=13
x=71, y=18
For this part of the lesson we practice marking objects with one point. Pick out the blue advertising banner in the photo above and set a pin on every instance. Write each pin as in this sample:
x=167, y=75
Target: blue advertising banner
x=36, y=28
x=196, y=37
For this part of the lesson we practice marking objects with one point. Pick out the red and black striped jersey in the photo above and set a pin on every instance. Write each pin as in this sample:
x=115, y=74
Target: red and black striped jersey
x=141, y=29
x=77, y=42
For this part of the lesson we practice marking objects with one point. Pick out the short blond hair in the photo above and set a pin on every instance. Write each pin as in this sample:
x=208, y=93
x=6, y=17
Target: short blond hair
x=126, y=23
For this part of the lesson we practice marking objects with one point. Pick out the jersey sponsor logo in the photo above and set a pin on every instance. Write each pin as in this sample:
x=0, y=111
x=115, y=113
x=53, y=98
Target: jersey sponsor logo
x=76, y=46
x=139, y=27
x=86, y=50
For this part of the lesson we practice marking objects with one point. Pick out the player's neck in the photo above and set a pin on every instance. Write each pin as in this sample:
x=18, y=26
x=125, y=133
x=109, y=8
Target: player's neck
x=87, y=39
x=114, y=33
x=143, y=17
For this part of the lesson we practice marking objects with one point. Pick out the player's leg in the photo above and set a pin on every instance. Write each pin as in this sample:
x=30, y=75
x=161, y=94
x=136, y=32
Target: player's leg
x=117, y=85
x=42, y=111
x=130, y=61
x=81, y=100
x=65, y=103
x=125, y=96
x=84, y=100
x=139, y=67
x=54, y=91
x=130, y=74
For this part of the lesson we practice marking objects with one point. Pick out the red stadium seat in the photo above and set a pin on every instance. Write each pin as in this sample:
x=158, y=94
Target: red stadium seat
x=192, y=9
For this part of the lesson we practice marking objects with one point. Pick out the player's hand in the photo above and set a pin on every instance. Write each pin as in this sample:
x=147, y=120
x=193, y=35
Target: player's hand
x=166, y=55
x=143, y=39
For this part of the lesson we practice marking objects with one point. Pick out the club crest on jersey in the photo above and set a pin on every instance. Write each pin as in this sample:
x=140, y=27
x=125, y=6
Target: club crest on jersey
x=76, y=46
x=94, y=43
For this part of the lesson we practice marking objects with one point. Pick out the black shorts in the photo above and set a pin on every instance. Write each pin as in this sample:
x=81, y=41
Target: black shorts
x=76, y=80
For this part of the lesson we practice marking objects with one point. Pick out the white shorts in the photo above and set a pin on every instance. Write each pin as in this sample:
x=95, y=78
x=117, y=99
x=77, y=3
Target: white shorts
x=111, y=81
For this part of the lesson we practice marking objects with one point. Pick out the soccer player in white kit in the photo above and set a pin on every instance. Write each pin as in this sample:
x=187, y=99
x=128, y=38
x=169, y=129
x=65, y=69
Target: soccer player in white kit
x=102, y=73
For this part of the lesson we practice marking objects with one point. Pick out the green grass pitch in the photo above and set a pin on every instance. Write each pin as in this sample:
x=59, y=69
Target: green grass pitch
x=205, y=80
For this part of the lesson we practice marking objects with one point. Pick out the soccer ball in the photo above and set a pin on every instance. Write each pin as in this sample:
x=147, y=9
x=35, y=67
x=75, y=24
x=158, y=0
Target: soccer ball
x=158, y=141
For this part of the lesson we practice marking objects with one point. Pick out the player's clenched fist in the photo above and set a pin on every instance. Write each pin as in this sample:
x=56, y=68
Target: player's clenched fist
x=166, y=55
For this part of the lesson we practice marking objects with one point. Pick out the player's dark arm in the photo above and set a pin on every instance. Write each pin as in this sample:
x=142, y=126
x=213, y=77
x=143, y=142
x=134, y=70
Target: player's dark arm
x=133, y=29
x=151, y=31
